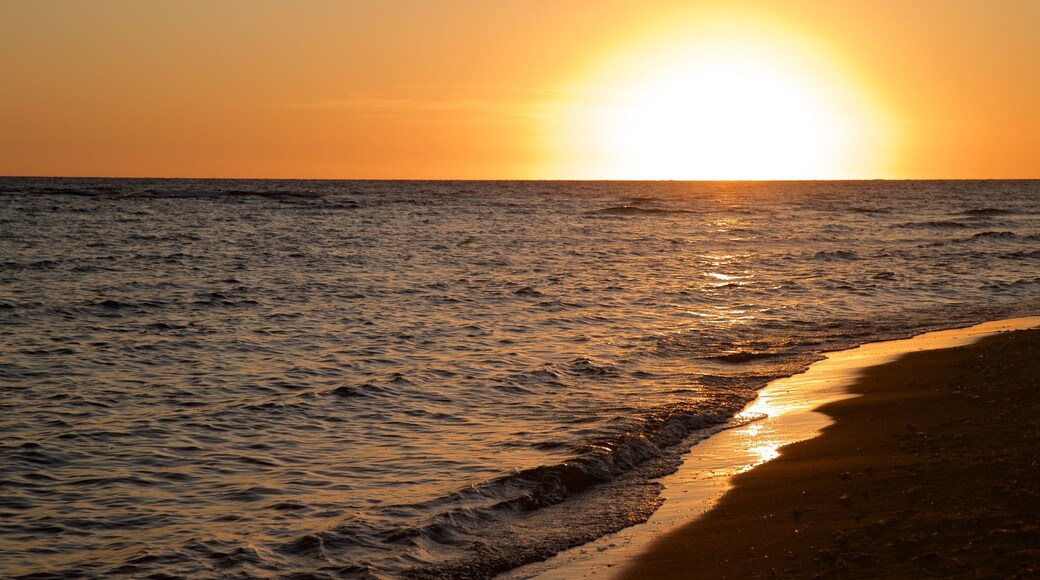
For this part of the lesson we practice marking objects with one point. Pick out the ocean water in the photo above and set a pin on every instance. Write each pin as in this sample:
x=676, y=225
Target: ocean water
x=381, y=379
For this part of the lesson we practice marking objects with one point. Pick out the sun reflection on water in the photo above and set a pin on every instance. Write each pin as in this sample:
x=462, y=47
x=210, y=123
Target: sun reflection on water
x=760, y=436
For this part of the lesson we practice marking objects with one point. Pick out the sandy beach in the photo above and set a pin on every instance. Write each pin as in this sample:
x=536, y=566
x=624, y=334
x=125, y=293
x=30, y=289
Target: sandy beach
x=933, y=471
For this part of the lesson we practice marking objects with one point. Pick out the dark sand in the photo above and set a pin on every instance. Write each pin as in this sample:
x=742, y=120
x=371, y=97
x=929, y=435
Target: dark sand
x=934, y=472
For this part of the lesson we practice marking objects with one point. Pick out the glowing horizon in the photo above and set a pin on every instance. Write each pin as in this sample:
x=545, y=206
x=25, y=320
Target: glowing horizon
x=659, y=89
x=736, y=99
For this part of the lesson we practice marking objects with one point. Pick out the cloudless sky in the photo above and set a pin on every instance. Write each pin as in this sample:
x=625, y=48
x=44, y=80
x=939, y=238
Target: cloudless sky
x=506, y=88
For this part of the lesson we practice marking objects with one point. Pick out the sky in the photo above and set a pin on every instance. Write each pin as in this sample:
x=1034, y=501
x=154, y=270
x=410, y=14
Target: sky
x=521, y=89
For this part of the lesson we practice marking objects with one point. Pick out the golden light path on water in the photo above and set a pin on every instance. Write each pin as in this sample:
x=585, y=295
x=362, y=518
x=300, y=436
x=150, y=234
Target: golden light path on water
x=721, y=98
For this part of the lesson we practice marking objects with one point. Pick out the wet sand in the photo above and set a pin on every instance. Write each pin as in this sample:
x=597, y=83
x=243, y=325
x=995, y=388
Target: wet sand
x=933, y=471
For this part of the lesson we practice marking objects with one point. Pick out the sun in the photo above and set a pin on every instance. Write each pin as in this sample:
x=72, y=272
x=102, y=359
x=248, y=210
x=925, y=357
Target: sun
x=725, y=117
x=721, y=108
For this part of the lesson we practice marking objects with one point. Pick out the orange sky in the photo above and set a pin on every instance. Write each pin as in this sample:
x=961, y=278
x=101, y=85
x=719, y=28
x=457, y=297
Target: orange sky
x=521, y=89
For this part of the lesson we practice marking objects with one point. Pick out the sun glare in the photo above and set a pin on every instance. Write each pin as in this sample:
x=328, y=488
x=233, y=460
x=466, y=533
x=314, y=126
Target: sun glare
x=724, y=118
x=727, y=107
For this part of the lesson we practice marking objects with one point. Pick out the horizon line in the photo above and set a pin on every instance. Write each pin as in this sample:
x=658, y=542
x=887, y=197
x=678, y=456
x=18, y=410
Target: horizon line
x=547, y=180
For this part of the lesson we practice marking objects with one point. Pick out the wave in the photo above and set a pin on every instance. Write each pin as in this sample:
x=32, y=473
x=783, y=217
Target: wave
x=979, y=237
x=870, y=210
x=588, y=367
x=836, y=255
x=527, y=291
x=207, y=193
x=987, y=211
x=1013, y=286
x=147, y=188
x=358, y=391
x=1017, y=255
x=34, y=265
x=472, y=530
x=740, y=357
x=937, y=224
x=636, y=210
x=1004, y=235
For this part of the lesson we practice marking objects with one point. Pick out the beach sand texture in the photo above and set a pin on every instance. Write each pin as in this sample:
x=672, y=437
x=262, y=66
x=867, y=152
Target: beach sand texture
x=933, y=472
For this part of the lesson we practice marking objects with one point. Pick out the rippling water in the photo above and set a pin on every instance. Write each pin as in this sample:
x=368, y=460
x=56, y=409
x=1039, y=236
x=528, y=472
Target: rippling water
x=266, y=378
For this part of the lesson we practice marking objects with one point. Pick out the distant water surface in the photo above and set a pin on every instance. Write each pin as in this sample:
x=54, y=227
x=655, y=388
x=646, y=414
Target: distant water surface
x=206, y=378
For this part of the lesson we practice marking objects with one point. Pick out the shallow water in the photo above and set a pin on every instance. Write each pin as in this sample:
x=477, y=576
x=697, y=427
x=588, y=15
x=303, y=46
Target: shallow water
x=259, y=378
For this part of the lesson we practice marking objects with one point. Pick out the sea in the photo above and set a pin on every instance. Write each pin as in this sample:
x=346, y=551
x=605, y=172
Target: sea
x=430, y=379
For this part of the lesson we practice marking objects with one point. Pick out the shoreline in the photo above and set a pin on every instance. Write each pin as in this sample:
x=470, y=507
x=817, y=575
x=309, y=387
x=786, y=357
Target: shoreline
x=931, y=471
x=794, y=407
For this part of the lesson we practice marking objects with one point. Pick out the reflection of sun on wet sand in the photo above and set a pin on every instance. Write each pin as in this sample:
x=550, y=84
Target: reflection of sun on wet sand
x=934, y=471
